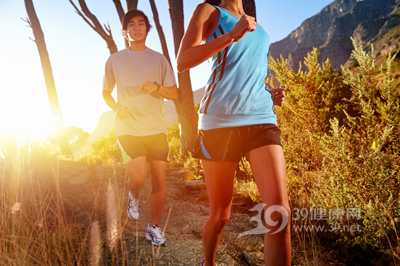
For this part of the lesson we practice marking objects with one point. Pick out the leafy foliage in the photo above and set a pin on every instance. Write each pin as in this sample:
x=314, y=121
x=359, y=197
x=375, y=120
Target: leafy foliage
x=341, y=141
x=103, y=151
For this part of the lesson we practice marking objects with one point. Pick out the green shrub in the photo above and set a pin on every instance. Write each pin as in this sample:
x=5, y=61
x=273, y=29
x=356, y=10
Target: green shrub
x=103, y=151
x=190, y=164
x=361, y=158
x=175, y=153
x=341, y=135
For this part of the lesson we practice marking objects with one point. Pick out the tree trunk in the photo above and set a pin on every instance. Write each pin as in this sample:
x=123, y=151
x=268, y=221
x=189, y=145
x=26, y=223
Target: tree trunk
x=184, y=105
x=46, y=66
x=48, y=75
x=120, y=9
x=131, y=4
x=249, y=7
x=187, y=117
x=160, y=30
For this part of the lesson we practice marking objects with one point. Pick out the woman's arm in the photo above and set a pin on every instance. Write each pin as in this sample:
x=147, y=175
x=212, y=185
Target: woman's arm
x=192, y=52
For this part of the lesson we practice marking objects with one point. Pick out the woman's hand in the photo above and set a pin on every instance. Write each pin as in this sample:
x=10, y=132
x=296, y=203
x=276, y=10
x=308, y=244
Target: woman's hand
x=278, y=96
x=245, y=25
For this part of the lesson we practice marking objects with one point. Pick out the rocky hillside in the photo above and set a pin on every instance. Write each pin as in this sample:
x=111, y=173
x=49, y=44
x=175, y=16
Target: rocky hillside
x=366, y=21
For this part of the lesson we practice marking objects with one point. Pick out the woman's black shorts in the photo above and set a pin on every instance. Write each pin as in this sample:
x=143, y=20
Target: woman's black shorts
x=230, y=144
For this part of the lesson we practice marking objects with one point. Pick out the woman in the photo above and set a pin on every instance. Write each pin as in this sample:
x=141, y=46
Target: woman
x=236, y=119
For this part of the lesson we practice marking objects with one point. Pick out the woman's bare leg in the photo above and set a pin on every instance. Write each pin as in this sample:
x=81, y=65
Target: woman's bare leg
x=268, y=166
x=219, y=179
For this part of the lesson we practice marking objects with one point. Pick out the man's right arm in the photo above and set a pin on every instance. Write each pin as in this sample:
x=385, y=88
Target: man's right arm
x=121, y=111
x=110, y=100
x=108, y=86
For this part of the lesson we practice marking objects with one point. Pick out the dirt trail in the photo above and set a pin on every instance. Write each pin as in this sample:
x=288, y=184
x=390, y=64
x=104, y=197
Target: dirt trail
x=189, y=211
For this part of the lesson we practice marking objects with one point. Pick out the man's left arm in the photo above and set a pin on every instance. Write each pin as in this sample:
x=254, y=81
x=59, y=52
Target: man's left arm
x=169, y=93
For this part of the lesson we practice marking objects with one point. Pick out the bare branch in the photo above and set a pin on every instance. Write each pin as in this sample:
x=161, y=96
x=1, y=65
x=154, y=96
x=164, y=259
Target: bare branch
x=160, y=30
x=82, y=15
x=94, y=23
x=120, y=9
x=27, y=21
x=108, y=29
x=29, y=25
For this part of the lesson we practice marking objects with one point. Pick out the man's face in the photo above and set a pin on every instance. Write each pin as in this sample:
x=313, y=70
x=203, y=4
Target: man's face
x=137, y=30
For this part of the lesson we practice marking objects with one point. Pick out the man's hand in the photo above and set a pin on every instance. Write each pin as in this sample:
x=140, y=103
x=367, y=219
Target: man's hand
x=122, y=112
x=245, y=25
x=148, y=87
x=278, y=96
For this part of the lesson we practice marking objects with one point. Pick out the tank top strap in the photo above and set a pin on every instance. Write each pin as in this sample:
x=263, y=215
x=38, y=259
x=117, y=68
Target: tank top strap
x=223, y=16
x=222, y=11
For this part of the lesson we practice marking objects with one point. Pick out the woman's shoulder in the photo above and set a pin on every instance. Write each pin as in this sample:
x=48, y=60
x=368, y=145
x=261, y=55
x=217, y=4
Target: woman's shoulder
x=207, y=15
x=204, y=10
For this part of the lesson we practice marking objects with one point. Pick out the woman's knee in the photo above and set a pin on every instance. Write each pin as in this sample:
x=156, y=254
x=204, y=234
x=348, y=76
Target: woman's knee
x=219, y=221
x=277, y=216
x=159, y=186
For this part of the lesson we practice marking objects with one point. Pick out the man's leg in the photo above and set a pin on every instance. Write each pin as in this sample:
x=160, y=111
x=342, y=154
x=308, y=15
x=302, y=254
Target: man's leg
x=137, y=172
x=137, y=167
x=159, y=189
x=268, y=167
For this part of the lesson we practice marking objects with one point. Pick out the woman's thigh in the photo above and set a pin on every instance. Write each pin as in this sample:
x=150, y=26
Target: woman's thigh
x=268, y=167
x=219, y=179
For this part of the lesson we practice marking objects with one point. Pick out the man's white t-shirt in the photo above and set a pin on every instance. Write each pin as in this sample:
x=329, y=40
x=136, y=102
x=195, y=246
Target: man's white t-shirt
x=127, y=70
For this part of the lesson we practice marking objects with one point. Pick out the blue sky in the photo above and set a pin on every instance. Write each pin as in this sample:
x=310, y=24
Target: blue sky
x=78, y=55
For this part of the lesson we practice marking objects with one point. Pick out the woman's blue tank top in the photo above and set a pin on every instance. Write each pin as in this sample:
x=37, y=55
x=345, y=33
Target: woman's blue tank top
x=235, y=93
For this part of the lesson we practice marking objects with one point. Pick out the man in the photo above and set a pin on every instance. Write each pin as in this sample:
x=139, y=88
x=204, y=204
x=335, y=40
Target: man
x=143, y=79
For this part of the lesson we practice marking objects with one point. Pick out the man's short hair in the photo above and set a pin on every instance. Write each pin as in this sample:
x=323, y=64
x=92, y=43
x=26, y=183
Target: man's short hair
x=131, y=14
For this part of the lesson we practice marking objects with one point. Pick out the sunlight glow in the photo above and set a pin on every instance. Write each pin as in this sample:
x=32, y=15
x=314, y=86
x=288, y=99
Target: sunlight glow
x=25, y=109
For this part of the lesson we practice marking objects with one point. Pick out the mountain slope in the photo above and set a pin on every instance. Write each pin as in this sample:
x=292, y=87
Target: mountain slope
x=366, y=21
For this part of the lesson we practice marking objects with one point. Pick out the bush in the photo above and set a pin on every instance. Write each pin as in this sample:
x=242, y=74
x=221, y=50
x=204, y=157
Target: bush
x=103, y=151
x=175, y=154
x=190, y=164
x=341, y=136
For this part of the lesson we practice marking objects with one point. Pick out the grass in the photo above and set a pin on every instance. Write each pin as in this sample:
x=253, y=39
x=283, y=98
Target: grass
x=33, y=223
x=44, y=220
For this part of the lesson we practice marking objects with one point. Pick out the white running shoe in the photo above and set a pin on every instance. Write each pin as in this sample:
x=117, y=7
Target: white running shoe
x=155, y=235
x=133, y=209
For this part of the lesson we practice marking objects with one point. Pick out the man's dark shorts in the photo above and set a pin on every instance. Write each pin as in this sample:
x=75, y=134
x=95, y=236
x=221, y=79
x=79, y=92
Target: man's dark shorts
x=230, y=144
x=153, y=147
